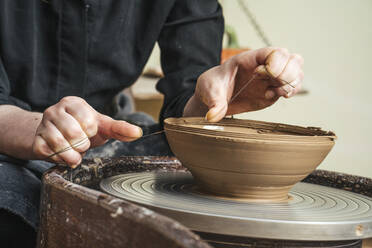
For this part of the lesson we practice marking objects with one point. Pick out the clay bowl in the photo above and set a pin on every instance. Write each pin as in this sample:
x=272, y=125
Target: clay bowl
x=245, y=159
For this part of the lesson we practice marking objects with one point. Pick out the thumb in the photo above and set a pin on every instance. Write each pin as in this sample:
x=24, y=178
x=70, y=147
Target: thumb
x=120, y=130
x=217, y=112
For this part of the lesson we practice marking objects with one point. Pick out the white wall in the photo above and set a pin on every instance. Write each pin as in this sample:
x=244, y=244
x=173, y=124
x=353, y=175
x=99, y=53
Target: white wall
x=335, y=38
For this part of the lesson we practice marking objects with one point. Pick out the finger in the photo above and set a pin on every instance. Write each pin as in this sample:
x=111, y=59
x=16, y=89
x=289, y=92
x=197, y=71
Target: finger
x=57, y=142
x=72, y=131
x=217, y=113
x=125, y=132
x=291, y=71
x=299, y=85
x=262, y=54
x=285, y=90
x=86, y=116
x=249, y=60
x=296, y=90
x=276, y=62
x=283, y=87
x=299, y=58
x=216, y=101
x=119, y=130
x=261, y=72
x=289, y=89
x=42, y=150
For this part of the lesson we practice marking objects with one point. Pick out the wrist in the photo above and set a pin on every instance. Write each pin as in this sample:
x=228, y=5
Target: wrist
x=17, y=131
x=23, y=147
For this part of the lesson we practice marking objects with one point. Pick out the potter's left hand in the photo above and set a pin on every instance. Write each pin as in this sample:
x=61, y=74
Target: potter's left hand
x=272, y=69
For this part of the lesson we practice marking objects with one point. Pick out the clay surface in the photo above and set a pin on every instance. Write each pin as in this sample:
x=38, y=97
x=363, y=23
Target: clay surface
x=245, y=159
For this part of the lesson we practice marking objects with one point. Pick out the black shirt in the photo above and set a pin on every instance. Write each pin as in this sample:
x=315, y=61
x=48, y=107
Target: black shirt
x=94, y=48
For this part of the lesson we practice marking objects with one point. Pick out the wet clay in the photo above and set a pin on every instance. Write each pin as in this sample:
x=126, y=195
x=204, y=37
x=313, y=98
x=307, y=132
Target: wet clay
x=237, y=129
x=251, y=160
x=200, y=190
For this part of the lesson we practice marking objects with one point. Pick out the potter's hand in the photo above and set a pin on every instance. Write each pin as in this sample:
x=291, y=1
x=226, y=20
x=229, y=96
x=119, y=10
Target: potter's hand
x=272, y=69
x=71, y=121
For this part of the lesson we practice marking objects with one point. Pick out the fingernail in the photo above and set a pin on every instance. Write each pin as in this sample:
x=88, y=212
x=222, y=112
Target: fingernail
x=294, y=83
x=208, y=116
x=287, y=89
x=290, y=93
x=212, y=114
x=74, y=166
x=138, y=135
x=260, y=71
x=140, y=131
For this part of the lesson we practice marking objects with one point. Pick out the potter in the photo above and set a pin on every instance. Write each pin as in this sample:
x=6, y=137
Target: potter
x=63, y=63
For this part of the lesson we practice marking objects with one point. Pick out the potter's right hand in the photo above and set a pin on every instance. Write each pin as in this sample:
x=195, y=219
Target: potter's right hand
x=71, y=121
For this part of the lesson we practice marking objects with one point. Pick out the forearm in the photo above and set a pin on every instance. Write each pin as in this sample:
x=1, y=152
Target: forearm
x=190, y=43
x=17, y=131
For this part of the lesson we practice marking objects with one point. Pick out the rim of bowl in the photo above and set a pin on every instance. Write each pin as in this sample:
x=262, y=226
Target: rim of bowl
x=295, y=133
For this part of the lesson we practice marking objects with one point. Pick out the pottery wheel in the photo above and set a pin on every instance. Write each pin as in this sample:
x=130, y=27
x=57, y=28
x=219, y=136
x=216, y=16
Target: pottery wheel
x=314, y=212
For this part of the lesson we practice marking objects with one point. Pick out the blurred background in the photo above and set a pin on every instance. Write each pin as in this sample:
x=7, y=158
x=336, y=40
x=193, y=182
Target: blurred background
x=335, y=38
